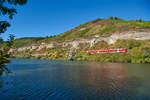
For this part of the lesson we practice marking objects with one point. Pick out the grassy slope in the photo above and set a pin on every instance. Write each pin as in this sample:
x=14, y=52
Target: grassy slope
x=138, y=51
x=26, y=41
x=101, y=27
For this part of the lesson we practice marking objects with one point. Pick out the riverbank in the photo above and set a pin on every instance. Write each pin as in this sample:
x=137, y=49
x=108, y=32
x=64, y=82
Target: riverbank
x=100, y=34
x=138, y=51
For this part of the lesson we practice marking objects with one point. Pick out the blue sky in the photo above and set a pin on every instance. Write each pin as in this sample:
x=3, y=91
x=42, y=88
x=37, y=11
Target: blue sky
x=50, y=17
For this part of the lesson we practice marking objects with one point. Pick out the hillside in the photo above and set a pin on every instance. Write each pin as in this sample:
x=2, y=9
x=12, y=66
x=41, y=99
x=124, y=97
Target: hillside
x=26, y=41
x=98, y=34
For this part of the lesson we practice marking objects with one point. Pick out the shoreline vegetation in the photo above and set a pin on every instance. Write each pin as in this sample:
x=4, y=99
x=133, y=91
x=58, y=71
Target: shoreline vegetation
x=4, y=60
x=7, y=11
x=137, y=52
x=60, y=48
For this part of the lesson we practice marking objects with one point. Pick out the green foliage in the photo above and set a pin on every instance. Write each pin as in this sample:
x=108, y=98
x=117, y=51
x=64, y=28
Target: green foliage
x=71, y=55
x=3, y=26
x=138, y=51
x=3, y=58
x=94, y=21
x=107, y=29
x=25, y=54
x=1, y=41
x=10, y=41
x=7, y=8
x=81, y=33
x=101, y=27
x=55, y=55
x=25, y=41
x=116, y=20
x=127, y=44
x=66, y=34
x=140, y=23
x=11, y=37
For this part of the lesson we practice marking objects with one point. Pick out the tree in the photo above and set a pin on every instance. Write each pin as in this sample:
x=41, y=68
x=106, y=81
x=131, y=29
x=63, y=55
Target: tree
x=11, y=37
x=11, y=40
x=7, y=9
x=1, y=41
x=3, y=26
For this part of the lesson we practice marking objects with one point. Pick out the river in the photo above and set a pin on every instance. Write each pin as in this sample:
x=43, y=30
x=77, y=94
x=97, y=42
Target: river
x=67, y=80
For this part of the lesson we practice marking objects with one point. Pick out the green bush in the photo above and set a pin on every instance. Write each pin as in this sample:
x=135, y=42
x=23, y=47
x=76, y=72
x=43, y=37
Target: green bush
x=3, y=58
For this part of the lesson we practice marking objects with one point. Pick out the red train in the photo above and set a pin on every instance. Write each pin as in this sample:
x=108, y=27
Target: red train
x=120, y=50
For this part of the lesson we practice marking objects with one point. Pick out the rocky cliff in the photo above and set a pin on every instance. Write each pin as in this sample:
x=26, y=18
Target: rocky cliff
x=98, y=34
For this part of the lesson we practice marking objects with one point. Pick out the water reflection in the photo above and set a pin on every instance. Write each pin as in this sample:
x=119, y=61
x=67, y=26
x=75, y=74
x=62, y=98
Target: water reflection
x=4, y=69
x=106, y=70
x=1, y=73
x=108, y=73
x=109, y=81
x=94, y=72
x=60, y=80
x=108, y=77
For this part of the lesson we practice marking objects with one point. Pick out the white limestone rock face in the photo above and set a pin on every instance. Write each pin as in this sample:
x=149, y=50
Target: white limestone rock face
x=65, y=44
x=1, y=49
x=112, y=39
x=34, y=47
x=11, y=50
x=75, y=44
x=22, y=49
x=126, y=36
x=93, y=42
x=43, y=43
x=41, y=47
x=49, y=46
x=96, y=36
x=82, y=29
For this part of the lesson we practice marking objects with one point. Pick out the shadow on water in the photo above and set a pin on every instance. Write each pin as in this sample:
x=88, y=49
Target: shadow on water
x=1, y=73
x=4, y=69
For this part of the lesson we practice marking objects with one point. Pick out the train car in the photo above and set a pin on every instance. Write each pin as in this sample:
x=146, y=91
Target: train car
x=120, y=50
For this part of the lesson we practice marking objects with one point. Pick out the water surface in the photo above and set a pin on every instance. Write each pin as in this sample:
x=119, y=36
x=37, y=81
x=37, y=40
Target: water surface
x=65, y=80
